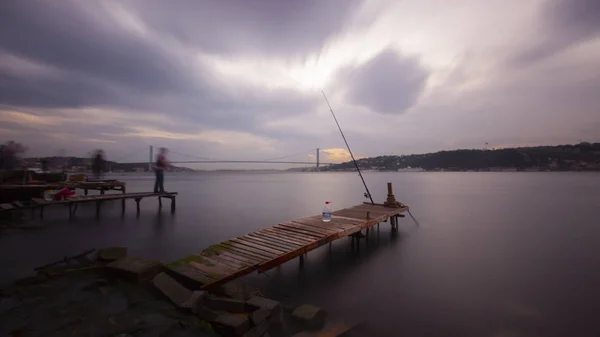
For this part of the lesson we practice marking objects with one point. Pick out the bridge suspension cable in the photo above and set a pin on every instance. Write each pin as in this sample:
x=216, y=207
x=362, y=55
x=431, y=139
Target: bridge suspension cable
x=290, y=155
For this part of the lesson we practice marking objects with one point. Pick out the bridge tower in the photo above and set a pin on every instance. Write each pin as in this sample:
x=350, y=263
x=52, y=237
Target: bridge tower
x=317, y=158
x=150, y=161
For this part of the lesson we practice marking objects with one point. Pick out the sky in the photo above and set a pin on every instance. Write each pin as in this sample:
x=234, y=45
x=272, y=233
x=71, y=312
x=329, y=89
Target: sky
x=243, y=80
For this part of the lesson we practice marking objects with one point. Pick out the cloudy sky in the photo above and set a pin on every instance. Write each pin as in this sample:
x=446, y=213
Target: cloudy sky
x=227, y=79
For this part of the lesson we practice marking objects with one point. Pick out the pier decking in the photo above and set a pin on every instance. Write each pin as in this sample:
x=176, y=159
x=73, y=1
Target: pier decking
x=270, y=247
x=73, y=202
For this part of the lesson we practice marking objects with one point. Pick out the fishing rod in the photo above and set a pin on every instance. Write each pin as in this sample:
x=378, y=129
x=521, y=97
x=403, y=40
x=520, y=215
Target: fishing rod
x=349, y=150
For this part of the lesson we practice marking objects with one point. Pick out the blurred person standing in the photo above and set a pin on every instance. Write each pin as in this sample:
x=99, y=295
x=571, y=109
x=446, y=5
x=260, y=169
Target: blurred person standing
x=159, y=169
x=98, y=164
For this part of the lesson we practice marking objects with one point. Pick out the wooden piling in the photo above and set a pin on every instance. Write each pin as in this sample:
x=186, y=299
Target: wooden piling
x=137, y=204
x=98, y=209
x=173, y=205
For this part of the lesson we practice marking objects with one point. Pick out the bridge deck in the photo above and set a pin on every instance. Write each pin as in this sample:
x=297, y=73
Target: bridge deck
x=270, y=247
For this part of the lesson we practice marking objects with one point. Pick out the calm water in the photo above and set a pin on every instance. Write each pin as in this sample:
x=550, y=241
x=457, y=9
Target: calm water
x=497, y=254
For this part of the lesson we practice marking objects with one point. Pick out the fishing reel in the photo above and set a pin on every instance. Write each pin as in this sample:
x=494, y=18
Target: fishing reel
x=367, y=195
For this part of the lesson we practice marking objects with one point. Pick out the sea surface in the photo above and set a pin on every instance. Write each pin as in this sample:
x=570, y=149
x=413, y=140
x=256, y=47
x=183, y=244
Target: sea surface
x=495, y=254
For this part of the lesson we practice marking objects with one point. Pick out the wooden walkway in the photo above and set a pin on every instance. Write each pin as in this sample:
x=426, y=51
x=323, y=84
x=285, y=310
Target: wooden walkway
x=100, y=185
x=270, y=247
x=74, y=201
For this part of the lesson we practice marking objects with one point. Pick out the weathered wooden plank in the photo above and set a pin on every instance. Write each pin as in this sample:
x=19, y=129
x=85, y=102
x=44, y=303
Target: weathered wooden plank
x=277, y=243
x=286, y=257
x=374, y=212
x=191, y=273
x=265, y=243
x=243, y=259
x=309, y=228
x=245, y=248
x=320, y=224
x=335, y=222
x=312, y=230
x=217, y=260
x=351, y=214
x=213, y=271
x=290, y=234
x=256, y=258
x=223, y=252
x=269, y=236
x=284, y=237
x=295, y=248
x=316, y=236
x=250, y=243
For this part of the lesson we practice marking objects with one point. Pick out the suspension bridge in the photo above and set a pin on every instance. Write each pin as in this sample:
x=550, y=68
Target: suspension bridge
x=191, y=159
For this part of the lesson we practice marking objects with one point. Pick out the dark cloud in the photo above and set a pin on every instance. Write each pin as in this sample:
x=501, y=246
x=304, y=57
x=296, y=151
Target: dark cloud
x=67, y=35
x=248, y=27
x=389, y=83
x=96, y=62
x=564, y=23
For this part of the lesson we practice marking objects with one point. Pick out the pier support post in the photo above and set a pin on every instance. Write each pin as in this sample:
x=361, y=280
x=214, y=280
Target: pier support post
x=391, y=199
x=137, y=204
x=122, y=206
x=98, y=209
x=173, y=205
x=102, y=190
x=85, y=191
x=41, y=212
x=159, y=202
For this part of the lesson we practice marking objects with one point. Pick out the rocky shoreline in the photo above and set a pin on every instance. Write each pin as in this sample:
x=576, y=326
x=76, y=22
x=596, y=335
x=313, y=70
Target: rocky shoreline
x=107, y=293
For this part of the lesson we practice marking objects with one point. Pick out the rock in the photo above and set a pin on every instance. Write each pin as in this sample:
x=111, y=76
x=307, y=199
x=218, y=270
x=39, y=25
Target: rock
x=27, y=281
x=310, y=317
x=259, y=315
x=195, y=301
x=8, y=290
x=231, y=325
x=167, y=285
x=98, y=285
x=238, y=291
x=117, y=303
x=7, y=304
x=264, y=303
x=112, y=254
x=155, y=305
x=135, y=270
x=225, y=304
x=156, y=323
x=258, y=330
x=275, y=319
x=206, y=314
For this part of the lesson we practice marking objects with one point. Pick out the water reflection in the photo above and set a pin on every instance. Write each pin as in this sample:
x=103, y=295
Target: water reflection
x=496, y=253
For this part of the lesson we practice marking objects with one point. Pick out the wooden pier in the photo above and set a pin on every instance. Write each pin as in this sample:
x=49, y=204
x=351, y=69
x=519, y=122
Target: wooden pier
x=271, y=247
x=27, y=191
x=73, y=202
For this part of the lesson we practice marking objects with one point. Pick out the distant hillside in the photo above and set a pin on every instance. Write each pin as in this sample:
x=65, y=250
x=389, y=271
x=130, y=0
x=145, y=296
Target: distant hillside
x=580, y=157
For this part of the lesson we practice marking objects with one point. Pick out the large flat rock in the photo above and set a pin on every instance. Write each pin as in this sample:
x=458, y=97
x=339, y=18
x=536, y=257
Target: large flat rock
x=230, y=325
x=112, y=254
x=167, y=285
x=134, y=269
x=310, y=317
